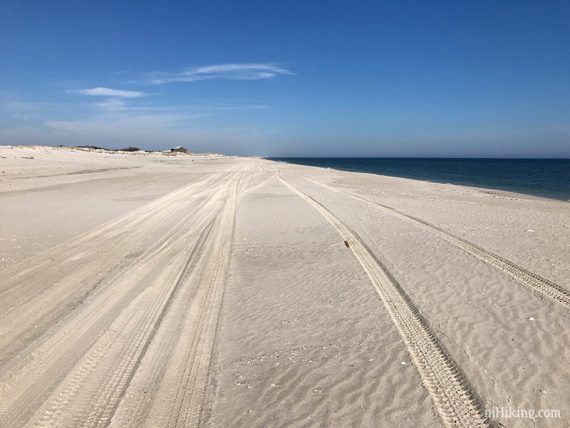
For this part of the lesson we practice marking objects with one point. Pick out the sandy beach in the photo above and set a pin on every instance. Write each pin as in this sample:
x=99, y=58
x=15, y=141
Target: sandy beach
x=142, y=289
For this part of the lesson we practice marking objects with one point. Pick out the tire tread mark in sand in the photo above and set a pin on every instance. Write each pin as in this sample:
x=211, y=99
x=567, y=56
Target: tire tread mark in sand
x=100, y=285
x=187, y=403
x=455, y=400
x=117, y=378
x=109, y=364
x=115, y=395
x=45, y=379
x=202, y=309
x=529, y=279
x=17, y=409
x=112, y=229
x=210, y=391
x=97, y=243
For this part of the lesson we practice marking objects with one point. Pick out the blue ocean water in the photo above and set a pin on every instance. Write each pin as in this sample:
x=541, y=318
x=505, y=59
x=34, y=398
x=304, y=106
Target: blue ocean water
x=540, y=177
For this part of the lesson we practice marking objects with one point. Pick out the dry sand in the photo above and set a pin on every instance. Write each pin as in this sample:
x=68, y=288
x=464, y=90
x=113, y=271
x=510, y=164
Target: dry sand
x=152, y=290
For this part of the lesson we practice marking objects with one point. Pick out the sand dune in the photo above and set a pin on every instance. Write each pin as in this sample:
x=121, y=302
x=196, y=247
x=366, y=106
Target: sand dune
x=150, y=290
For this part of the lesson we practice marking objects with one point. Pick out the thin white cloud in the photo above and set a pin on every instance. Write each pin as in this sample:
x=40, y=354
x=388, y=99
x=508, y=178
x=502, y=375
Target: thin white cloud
x=251, y=71
x=112, y=105
x=118, y=107
x=107, y=92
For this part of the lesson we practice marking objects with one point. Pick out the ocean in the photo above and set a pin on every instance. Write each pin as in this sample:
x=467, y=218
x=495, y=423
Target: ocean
x=548, y=178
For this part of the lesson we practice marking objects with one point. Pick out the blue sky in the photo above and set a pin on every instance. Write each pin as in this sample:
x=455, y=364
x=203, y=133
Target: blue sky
x=289, y=78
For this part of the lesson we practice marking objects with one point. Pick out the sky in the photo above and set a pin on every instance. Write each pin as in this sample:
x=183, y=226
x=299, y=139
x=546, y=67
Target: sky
x=449, y=78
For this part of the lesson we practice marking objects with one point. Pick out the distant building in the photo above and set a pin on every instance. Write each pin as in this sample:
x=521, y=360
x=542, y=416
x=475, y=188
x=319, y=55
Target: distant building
x=178, y=149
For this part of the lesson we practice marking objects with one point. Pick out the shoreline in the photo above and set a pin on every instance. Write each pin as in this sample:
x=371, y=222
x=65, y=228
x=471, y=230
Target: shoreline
x=366, y=165
x=484, y=190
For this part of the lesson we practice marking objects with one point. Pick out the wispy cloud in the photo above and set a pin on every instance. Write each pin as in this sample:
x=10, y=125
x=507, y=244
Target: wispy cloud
x=114, y=100
x=251, y=71
x=112, y=105
x=107, y=92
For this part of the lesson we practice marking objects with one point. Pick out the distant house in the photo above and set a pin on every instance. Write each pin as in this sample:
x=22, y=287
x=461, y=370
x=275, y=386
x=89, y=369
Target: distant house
x=178, y=149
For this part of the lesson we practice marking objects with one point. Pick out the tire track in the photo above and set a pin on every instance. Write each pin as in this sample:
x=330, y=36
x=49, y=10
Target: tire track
x=178, y=388
x=185, y=402
x=77, y=372
x=61, y=302
x=110, y=246
x=133, y=410
x=114, y=229
x=529, y=279
x=44, y=372
x=455, y=400
x=118, y=378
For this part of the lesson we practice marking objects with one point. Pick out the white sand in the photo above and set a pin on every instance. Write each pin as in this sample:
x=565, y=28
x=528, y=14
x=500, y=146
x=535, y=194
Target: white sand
x=152, y=290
